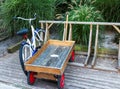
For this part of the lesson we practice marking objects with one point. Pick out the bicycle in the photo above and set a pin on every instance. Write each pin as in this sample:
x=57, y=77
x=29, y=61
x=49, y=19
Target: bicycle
x=29, y=47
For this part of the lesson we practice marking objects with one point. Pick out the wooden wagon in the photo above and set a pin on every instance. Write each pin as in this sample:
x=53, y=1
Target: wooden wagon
x=50, y=62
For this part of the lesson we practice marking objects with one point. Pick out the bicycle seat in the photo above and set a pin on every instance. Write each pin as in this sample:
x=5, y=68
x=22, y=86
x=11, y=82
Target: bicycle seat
x=22, y=31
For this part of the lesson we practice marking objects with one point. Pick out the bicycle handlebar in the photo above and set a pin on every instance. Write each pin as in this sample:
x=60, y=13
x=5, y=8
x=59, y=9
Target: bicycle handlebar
x=30, y=19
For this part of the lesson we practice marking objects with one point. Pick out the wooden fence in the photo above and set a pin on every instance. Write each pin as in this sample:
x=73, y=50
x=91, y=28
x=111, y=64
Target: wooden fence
x=67, y=23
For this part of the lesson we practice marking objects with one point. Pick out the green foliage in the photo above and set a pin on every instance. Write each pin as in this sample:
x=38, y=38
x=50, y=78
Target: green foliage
x=84, y=13
x=25, y=8
x=63, y=6
x=110, y=9
x=81, y=10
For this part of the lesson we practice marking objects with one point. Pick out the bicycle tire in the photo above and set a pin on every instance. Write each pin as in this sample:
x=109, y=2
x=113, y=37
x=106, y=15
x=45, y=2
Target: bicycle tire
x=22, y=60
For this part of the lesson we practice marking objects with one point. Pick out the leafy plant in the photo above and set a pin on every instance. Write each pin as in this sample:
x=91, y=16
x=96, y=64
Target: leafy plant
x=84, y=13
x=25, y=8
x=110, y=9
x=82, y=10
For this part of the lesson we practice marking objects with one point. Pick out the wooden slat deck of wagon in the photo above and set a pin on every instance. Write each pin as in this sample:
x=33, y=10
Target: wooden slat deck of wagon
x=52, y=58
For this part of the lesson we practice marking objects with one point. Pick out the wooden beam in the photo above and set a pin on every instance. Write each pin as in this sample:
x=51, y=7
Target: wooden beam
x=50, y=26
x=89, y=46
x=46, y=76
x=116, y=28
x=70, y=33
x=77, y=22
x=95, y=48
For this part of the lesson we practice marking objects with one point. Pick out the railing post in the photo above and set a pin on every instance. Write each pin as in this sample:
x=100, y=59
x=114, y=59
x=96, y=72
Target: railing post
x=89, y=45
x=41, y=34
x=95, y=48
x=65, y=29
x=46, y=33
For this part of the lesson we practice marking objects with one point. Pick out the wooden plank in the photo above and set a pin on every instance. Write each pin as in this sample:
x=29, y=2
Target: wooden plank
x=46, y=76
x=47, y=60
x=61, y=43
x=63, y=56
x=14, y=48
x=62, y=53
x=119, y=55
x=56, y=62
x=50, y=26
x=95, y=48
x=89, y=46
x=42, y=59
x=78, y=22
x=116, y=28
x=42, y=69
x=66, y=61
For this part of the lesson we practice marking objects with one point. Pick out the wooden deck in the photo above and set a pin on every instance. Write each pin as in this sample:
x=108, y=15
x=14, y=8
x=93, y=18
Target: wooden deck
x=75, y=77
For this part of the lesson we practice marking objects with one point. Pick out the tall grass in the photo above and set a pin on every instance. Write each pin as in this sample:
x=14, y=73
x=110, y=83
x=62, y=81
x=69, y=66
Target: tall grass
x=25, y=8
x=84, y=13
x=82, y=10
x=110, y=9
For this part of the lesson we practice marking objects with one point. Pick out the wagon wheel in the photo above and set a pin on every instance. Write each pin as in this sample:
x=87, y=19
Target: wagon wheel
x=61, y=81
x=72, y=56
x=30, y=78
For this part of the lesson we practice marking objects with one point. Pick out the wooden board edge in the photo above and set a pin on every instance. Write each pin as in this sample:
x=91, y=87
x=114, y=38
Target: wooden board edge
x=43, y=69
x=46, y=76
x=30, y=61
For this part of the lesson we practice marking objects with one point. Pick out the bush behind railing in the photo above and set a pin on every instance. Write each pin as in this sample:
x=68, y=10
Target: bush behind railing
x=26, y=9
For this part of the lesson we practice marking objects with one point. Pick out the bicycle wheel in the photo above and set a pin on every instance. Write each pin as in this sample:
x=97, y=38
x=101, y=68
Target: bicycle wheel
x=24, y=54
x=39, y=38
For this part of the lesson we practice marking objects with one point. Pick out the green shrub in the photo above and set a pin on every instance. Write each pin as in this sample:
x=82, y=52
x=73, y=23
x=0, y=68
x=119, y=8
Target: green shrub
x=25, y=8
x=110, y=9
x=87, y=14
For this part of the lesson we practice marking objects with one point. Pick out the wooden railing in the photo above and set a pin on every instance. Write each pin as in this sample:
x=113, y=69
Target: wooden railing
x=70, y=23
